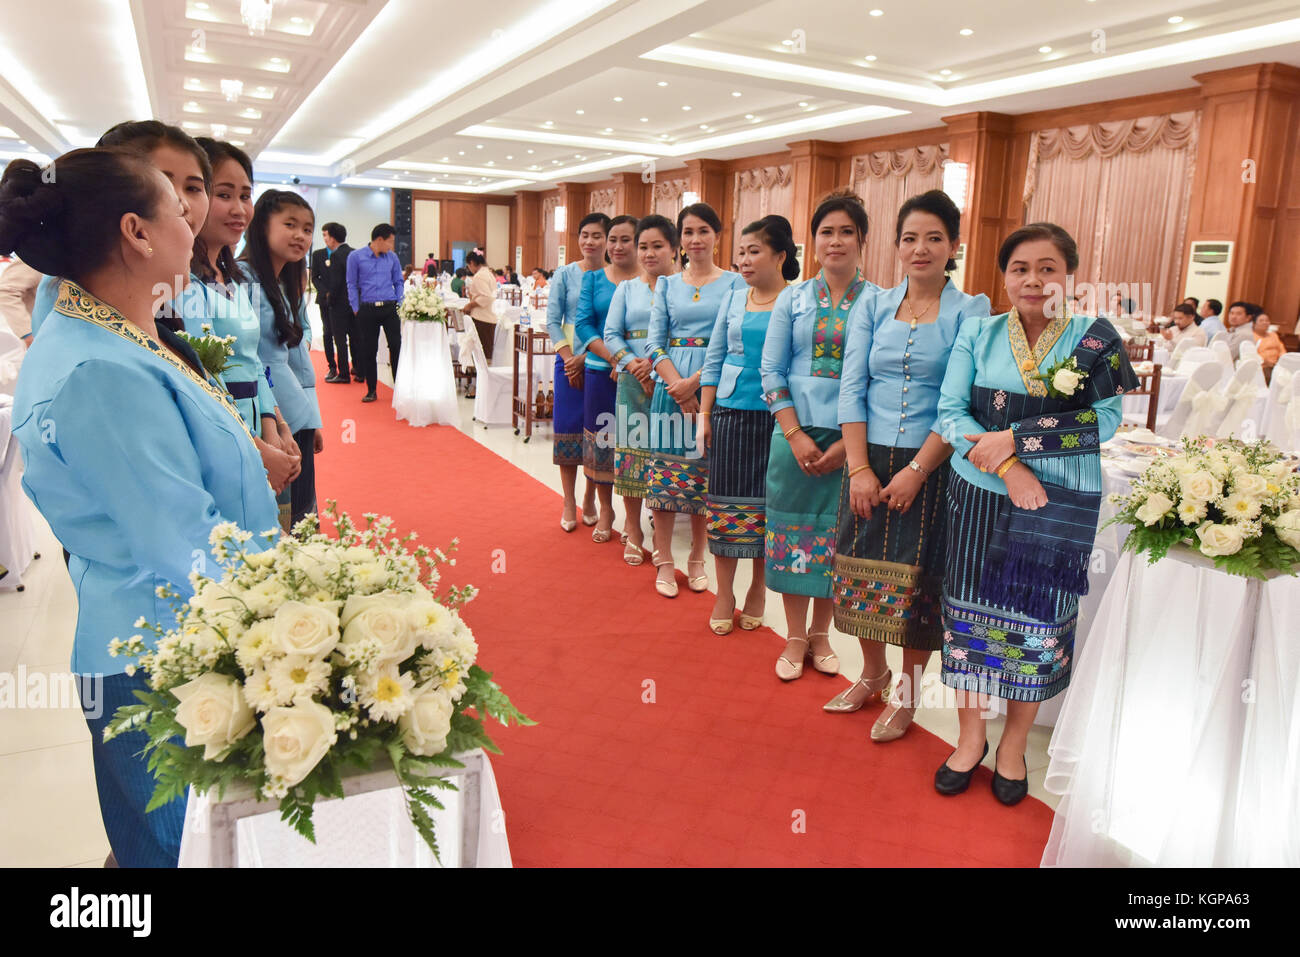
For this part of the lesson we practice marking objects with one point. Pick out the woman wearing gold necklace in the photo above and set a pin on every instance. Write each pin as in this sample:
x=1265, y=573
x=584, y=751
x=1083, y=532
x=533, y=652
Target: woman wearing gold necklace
x=1027, y=400
x=889, y=558
x=131, y=452
x=802, y=360
x=737, y=428
x=681, y=321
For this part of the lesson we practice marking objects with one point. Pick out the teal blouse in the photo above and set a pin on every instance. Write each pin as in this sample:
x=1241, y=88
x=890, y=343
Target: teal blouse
x=681, y=324
x=593, y=309
x=627, y=326
x=735, y=352
x=289, y=368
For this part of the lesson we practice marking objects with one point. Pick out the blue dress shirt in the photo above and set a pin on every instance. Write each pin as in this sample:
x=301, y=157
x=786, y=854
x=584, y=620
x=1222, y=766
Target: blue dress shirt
x=593, y=309
x=1211, y=326
x=678, y=317
x=892, y=376
x=292, y=375
x=735, y=353
x=787, y=364
x=627, y=327
x=132, y=461
x=373, y=278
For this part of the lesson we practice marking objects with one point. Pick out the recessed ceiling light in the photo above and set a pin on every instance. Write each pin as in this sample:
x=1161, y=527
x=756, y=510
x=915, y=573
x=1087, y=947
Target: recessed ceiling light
x=704, y=126
x=966, y=31
x=663, y=136
x=509, y=157
x=618, y=99
x=749, y=116
x=609, y=129
x=945, y=72
x=461, y=153
x=663, y=83
x=645, y=119
x=295, y=19
x=491, y=163
x=753, y=119
x=1044, y=49
x=735, y=93
x=578, y=157
x=1175, y=19
x=802, y=103
x=580, y=112
x=786, y=43
x=877, y=13
x=200, y=6
x=555, y=162
x=276, y=59
x=870, y=58
x=686, y=108
x=530, y=151
x=549, y=123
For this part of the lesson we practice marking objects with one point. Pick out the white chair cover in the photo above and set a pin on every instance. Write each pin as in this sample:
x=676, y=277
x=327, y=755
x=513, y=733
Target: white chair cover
x=1279, y=401
x=1223, y=353
x=17, y=528
x=493, y=391
x=1248, y=350
x=1247, y=400
x=1199, y=404
x=1184, y=346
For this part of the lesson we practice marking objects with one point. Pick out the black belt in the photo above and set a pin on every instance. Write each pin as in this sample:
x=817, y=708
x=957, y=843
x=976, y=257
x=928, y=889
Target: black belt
x=379, y=305
x=242, y=390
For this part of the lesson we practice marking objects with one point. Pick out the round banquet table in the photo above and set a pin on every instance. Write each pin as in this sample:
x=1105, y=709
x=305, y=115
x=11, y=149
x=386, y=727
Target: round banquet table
x=1172, y=386
x=425, y=390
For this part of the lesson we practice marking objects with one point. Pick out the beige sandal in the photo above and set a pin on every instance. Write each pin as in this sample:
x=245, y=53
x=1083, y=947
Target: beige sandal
x=698, y=582
x=792, y=668
x=667, y=589
x=826, y=664
x=852, y=699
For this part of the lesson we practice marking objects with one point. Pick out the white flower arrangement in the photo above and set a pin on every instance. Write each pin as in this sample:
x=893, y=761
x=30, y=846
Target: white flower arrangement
x=423, y=304
x=308, y=657
x=1235, y=502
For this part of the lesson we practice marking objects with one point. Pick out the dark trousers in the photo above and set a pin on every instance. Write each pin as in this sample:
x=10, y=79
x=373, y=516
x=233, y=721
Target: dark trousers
x=371, y=318
x=327, y=322
x=302, y=490
x=343, y=326
x=487, y=336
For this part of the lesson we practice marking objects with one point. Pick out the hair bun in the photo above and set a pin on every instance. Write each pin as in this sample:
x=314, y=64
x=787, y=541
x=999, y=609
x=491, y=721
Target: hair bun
x=29, y=208
x=774, y=222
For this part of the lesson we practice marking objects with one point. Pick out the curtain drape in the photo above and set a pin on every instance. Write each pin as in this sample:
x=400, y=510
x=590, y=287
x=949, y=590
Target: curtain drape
x=550, y=238
x=1121, y=189
x=767, y=189
x=885, y=180
x=604, y=201
x=668, y=197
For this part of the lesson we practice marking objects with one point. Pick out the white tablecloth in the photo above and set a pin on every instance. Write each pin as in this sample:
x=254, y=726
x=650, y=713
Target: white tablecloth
x=425, y=390
x=17, y=533
x=1171, y=387
x=1179, y=739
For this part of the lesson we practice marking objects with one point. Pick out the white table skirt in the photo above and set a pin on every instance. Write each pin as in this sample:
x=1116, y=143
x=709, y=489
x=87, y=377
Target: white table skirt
x=1172, y=386
x=364, y=830
x=425, y=390
x=1177, y=744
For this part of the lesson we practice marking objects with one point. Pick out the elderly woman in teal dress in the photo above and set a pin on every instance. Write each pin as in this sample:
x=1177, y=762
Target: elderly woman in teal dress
x=681, y=321
x=803, y=357
x=1024, y=498
x=890, y=550
x=131, y=452
x=737, y=428
x=627, y=329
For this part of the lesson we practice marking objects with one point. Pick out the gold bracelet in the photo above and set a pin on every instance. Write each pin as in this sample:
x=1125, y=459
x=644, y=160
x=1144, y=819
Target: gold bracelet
x=797, y=428
x=1006, y=466
x=855, y=471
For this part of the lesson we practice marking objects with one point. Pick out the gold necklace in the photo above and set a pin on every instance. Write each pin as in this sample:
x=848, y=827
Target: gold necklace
x=754, y=301
x=915, y=315
x=696, y=297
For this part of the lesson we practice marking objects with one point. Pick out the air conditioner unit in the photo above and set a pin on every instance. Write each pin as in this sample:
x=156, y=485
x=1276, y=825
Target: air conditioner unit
x=1208, y=268
x=958, y=275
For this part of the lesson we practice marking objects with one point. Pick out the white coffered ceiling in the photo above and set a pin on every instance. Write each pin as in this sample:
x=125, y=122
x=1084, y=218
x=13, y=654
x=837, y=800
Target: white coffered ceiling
x=521, y=94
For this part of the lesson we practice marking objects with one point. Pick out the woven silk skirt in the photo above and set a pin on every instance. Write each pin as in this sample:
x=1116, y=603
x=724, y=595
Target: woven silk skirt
x=742, y=443
x=632, y=451
x=802, y=514
x=987, y=648
x=678, y=475
x=889, y=567
x=567, y=422
x=598, y=438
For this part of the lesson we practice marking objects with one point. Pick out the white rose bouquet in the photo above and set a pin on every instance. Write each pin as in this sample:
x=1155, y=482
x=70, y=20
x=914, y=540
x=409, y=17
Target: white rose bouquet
x=423, y=304
x=1235, y=502
x=214, y=352
x=308, y=657
x=1064, y=378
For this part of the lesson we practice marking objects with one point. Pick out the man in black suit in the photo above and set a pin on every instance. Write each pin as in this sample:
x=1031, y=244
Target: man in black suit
x=320, y=264
x=342, y=324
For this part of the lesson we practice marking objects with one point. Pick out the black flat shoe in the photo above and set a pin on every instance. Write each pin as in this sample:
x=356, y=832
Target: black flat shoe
x=358, y=378
x=1010, y=792
x=369, y=397
x=948, y=781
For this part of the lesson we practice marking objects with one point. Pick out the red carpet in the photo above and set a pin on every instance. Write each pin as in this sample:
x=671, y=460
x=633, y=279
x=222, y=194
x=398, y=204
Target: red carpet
x=728, y=765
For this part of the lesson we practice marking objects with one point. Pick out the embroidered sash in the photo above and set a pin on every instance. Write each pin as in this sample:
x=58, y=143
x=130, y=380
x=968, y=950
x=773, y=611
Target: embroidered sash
x=1028, y=360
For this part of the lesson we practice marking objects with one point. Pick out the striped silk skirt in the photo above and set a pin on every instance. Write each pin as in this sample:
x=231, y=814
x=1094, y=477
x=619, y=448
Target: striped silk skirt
x=802, y=514
x=889, y=567
x=567, y=423
x=598, y=438
x=742, y=443
x=678, y=475
x=632, y=451
x=987, y=648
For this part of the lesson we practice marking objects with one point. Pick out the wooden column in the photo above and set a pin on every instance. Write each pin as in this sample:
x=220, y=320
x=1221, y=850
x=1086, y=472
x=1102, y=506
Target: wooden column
x=634, y=194
x=994, y=194
x=814, y=166
x=526, y=228
x=573, y=196
x=1245, y=188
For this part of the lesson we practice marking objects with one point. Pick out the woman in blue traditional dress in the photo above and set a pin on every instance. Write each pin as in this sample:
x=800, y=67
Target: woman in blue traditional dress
x=1024, y=498
x=274, y=261
x=802, y=360
x=736, y=426
x=561, y=316
x=131, y=453
x=685, y=308
x=600, y=380
x=889, y=556
x=627, y=328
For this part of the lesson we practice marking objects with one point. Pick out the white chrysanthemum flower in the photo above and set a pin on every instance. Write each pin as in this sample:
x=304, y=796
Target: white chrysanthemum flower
x=1190, y=511
x=386, y=693
x=260, y=694
x=297, y=676
x=254, y=645
x=1240, y=507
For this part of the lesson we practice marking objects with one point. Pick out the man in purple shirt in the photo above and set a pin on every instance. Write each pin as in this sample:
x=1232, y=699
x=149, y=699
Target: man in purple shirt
x=374, y=289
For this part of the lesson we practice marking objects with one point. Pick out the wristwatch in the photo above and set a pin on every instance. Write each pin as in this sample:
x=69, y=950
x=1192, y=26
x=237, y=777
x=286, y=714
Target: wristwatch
x=916, y=467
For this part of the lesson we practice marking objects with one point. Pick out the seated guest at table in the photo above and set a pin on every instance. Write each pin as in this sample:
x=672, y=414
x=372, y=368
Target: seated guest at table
x=274, y=259
x=458, y=282
x=149, y=453
x=500, y=276
x=1193, y=302
x=892, y=508
x=626, y=329
x=540, y=278
x=482, y=295
x=430, y=265
x=1184, y=327
x=803, y=358
x=375, y=289
x=600, y=381
x=1023, y=501
x=342, y=321
x=1267, y=343
x=735, y=425
x=1208, y=318
x=1241, y=318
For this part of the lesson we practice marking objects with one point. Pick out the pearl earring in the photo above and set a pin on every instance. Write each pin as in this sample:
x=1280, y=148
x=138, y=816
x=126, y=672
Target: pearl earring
x=149, y=250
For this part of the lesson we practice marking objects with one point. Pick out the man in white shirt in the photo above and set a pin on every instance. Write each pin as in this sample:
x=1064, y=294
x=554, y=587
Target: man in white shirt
x=1185, y=327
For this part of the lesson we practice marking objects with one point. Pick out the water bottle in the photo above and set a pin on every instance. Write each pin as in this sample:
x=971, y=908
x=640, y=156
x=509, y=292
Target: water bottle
x=525, y=319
